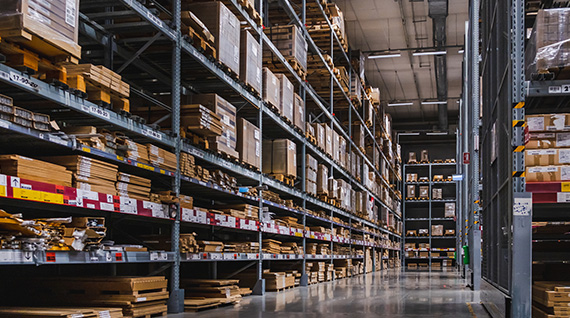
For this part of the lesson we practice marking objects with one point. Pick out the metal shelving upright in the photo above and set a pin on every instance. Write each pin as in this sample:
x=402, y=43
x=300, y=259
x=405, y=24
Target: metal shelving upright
x=168, y=72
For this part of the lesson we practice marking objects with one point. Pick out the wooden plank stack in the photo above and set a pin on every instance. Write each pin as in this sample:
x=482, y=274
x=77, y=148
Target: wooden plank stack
x=242, y=211
x=550, y=299
x=89, y=174
x=245, y=247
x=136, y=151
x=136, y=296
x=187, y=165
x=201, y=120
x=271, y=246
x=188, y=243
x=161, y=158
x=133, y=186
x=223, y=291
x=55, y=312
x=33, y=169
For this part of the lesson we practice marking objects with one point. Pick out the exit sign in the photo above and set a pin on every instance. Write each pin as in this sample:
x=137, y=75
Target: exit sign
x=466, y=158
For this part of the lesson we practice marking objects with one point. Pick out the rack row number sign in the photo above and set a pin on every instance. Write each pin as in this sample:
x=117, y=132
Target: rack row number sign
x=562, y=89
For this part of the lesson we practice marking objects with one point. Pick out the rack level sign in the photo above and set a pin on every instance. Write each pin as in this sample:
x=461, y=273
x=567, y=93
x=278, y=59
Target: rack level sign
x=466, y=158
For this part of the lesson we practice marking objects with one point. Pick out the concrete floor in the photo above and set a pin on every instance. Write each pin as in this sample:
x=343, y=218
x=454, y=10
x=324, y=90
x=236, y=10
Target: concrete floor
x=385, y=294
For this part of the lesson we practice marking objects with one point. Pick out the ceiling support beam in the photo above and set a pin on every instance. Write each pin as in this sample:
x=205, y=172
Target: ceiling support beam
x=438, y=12
x=410, y=56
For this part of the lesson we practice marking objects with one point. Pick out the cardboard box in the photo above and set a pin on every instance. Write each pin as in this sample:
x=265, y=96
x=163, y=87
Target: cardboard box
x=424, y=192
x=547, y=47
x=412, y=157
x=224, y=26
x=299, y=112
x=449, y=232
x=412, y=266
x=411, y=233
x=311, y=162
x=48, y=27
x=437, y=194
x=320, y=135
x=411, y=177
x=358, y=134
x=547, y=173
x=323, y=180
x=249, y=143
x=286, y=96
x=449, y=210
x=271, y=88
x=251, y=61
x=335, y=146
x=542, y=140
x=424, y=155
x=423, y=232
x=562, y=139
x=437, y=230
x=411, y=191
x=328, y=139
x=423, y=254
x=290, y=41
x=227, y=142
x=548, y=122
x=284, y=159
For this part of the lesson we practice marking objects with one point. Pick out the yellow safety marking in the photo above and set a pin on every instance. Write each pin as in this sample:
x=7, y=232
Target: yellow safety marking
x=565, y=187
x=471, y=311
x=519, y=105
x=519, y=174
x=519, y=149
x=519, y=123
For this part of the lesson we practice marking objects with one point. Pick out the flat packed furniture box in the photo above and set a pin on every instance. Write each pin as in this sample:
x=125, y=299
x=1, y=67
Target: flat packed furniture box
x=47, y=27
x=224, y=26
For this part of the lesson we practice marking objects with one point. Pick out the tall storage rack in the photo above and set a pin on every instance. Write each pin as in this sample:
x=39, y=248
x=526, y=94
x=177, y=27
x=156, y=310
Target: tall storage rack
x=162, y=66
x=422, y=213
x=508, y=202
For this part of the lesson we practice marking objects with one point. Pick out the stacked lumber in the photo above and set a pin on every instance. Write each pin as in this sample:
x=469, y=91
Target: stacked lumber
x=289, y=221
x=344, y=266
x=329, y=272
x=28, y=312
x=271, y=246
x=245, y=247
x=100, y=83
x=33, y=169
x=211, y=246
x=161, y=158
x=201, y=120
x=133, y=186
x=224, y=180
x=187, y=165
x=318, y=249
x=89, y=174
x=188, y=243
x=291, y=248
x=136, y=151
x=275, y=281
x=242, y=211
x=224, y=291
x=136, y=296
x=550, y=299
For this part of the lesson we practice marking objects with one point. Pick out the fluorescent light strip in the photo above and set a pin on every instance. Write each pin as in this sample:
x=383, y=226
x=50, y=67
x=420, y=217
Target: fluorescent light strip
x=461, y=51
x=409, y=134
x=384, y=56
x=429, y=53
x=401, y=104
x=434, y=103
x=437, y=133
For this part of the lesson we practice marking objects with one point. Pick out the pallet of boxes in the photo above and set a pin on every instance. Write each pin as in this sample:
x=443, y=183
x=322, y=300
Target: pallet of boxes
x=547, y=153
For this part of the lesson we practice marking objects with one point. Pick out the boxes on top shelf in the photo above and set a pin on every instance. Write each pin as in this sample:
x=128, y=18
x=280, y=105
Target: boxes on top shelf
x=49, y=28
x=225, y=27
x=290, y=41
x=547, y=48
x=251, y=61
x=283, y=158
x=548, y=122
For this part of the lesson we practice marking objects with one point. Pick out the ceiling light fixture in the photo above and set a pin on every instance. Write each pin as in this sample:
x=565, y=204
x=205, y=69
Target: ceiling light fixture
x=401, y=104
x=429, y=53
x=434, y=103
x=383, y=56
x=437, y=133
x=409, y=134
x=461, y=51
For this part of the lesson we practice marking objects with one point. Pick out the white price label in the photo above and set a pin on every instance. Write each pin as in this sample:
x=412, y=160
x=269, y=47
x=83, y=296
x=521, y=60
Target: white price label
x=98, y=111
x=152, y=133
x=154, y=256
x=14, y=77
x=106, y=206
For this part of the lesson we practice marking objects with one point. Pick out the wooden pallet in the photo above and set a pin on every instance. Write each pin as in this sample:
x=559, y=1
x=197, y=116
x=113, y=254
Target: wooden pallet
x=250, y=9
x=449, y=160
x=424, y=161
x=228, y=70
x=51, y=70
x=280, y=289
x=277, y=67
x=438, y=161
x=201, y=44
x=195, y=304
x=288, y=180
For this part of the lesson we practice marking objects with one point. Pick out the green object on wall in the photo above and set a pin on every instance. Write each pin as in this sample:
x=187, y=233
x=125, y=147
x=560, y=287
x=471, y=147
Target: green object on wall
x=465, y=254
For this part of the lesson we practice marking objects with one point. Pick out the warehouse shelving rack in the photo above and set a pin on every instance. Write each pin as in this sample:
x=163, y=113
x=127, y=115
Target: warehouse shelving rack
x=162, y=71
x=508, y=202
x=411, y=223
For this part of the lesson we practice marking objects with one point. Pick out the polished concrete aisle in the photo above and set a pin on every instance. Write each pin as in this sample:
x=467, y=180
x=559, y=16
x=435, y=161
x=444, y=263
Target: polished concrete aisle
x=387, y=294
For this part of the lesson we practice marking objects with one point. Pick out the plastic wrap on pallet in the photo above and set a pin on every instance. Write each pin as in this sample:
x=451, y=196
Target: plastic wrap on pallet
x=53, y=22
x=251, y=61
x=549, y=44
x=225, y=27
x=355, y=87
x=291, y=45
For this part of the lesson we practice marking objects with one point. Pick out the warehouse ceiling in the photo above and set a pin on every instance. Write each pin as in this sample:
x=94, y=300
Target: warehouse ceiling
x=401, y=26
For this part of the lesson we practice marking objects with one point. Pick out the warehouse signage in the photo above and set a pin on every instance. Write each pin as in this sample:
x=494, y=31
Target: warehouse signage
x=466, y=158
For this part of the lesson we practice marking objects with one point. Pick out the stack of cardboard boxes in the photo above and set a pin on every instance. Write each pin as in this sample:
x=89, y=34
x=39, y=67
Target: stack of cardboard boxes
x=227, y=142
x=311, y=174
x=280, y=157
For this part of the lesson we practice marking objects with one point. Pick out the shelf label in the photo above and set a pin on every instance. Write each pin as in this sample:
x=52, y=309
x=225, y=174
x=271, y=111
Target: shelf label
x=563, y=197
x=57, y=140
x=152, y=133
x=50, y=257
x=98, y=111
x=565, y=187
x=563, y=89
x=4, y=124
x=15, y=77
x=128, y=205
x=107, y=206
